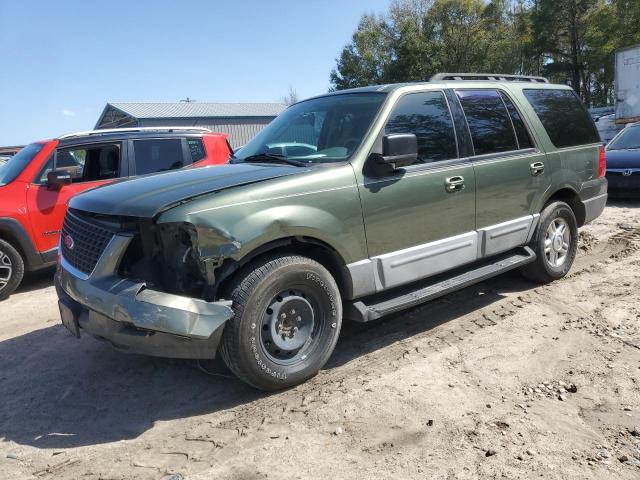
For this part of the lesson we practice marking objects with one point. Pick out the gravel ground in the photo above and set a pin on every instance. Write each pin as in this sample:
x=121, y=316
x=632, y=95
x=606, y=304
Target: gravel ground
x=505, y=379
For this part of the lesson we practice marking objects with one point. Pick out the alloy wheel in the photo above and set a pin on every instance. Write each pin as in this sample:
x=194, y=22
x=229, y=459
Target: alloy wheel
x=557, y=242
x=6, y=269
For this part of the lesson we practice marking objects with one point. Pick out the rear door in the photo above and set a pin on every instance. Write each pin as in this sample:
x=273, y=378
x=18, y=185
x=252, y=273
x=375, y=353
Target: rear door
x=572, y=140
x=89, y=166
x=511, y=175
x=420, y=220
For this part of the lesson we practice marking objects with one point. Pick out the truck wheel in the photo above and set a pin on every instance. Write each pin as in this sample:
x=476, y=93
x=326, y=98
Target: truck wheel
x=555, y=243
x=11, y=269
x=288, y=314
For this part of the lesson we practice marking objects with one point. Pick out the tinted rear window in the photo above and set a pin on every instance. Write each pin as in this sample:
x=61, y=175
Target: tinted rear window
x=488, y=120
x=563, y=116
x=158, y=155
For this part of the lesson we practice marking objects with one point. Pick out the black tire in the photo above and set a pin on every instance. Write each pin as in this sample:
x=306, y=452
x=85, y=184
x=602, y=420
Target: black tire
x=11, y=269
x=249, y=347
x=545, y=269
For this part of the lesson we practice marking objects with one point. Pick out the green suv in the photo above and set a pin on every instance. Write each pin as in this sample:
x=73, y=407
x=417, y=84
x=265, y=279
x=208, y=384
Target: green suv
x=351, y=205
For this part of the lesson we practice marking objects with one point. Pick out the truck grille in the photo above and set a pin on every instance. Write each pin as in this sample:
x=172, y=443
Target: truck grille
x=87, y=241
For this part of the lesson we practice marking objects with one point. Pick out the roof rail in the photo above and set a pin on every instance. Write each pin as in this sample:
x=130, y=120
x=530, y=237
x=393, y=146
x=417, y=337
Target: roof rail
x=135, y=129
x=498, y=77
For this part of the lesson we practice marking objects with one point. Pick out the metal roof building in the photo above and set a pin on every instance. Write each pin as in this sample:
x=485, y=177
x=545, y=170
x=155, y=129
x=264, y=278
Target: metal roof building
x=9, y=151
x=242, y=121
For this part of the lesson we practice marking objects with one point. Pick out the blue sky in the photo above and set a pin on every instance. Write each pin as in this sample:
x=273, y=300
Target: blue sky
x=63, y=60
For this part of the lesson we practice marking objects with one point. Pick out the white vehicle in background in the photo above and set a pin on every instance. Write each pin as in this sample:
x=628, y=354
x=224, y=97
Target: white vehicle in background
x=4, y=160
x=607, y=127
x=627, y=79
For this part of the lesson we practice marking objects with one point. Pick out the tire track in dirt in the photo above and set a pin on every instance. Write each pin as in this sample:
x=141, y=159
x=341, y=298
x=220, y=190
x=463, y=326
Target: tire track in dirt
x=381, y=363
x=433, y=328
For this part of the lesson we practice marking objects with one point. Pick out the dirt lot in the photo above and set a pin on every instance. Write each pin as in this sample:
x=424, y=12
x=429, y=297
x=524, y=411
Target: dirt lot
x=502, y=380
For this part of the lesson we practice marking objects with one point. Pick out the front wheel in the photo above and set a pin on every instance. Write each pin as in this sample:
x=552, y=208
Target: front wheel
x=555, y=243
x=288, y=314
x=11, y=269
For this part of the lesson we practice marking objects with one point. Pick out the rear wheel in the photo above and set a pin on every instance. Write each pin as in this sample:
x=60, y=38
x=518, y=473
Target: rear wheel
x=288, y=314
x=555, y=243
x=11, y=269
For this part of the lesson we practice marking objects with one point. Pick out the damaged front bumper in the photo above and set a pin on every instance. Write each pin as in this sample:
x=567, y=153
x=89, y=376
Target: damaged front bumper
x=135, y=318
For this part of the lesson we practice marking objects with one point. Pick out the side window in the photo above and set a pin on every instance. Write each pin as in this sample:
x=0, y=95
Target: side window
x=427, y=116
x=488, y=120
x=158, y=155
x=524, y=140
x=564, y=117
x=72, y=161
x=85, y=163
x=196, y=148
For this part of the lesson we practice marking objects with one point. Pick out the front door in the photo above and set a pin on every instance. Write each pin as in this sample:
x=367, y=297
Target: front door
x=420, y=220
x=89, y=166
x=510, y=171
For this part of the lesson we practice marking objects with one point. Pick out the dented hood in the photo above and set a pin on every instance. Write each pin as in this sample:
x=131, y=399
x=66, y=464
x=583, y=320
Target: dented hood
x=147, y=196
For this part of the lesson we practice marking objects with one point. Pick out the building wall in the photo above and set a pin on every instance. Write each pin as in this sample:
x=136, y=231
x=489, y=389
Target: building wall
x=240, y=130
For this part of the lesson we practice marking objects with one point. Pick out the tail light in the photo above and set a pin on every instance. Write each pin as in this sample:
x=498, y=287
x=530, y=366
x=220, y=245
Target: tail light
x=602, y=163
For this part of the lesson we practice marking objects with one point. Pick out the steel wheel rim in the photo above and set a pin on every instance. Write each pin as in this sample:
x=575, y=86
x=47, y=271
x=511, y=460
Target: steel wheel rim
x=557, y=242
x=289, y=327
x=6, y=269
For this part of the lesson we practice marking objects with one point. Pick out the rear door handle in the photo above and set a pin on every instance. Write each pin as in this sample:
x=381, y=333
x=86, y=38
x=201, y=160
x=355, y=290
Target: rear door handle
x=537, y=168
x=454, y=184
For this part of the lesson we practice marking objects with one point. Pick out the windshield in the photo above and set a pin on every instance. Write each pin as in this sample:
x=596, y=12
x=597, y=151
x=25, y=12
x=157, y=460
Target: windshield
x=14, y=166
x=628, y=139
x=320, y=130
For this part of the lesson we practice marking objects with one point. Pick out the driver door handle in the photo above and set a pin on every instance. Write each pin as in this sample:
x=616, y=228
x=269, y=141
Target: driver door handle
x=454, y=184
x=536, y=168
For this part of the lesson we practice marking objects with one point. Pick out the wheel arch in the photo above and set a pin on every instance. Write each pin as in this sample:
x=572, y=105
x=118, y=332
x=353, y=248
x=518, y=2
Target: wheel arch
x=569, y=196
x=13, y=232
x=306, y=246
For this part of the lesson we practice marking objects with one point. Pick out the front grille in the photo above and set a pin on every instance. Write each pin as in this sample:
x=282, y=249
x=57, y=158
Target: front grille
x=87, y=240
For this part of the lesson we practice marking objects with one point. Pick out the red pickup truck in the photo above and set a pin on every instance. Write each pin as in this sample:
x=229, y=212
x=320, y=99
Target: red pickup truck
x=37, y=183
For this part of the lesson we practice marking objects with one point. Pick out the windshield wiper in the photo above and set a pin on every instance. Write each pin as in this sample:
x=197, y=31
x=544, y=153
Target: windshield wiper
x=273, y=158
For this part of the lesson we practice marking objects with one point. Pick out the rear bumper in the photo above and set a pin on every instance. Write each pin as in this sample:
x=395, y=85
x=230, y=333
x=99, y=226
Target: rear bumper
x=137, y=319
x=594, y=207
x=594, y=198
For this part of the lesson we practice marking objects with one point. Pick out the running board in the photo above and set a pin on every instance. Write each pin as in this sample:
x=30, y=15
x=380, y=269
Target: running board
x=386, y=303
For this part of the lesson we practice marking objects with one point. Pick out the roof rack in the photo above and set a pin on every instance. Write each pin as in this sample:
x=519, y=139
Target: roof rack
x=133, y=130
x=498, y=77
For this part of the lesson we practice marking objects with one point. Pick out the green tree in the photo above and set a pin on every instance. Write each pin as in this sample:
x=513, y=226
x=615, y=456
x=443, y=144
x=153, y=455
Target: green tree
x=560, y=38
x=418, y=38
x=569, y=41
x=365, y=60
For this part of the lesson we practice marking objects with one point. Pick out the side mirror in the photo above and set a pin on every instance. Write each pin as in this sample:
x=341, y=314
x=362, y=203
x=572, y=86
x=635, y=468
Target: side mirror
x=399, y=150
x=58, y=178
